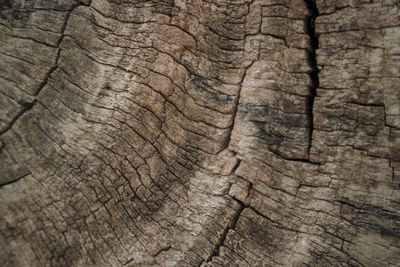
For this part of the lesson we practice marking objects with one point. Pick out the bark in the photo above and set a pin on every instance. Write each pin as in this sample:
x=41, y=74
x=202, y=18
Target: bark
x=200, y=133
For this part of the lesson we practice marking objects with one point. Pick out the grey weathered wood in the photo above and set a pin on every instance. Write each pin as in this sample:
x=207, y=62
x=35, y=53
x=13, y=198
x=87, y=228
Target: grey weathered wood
x=200, y=133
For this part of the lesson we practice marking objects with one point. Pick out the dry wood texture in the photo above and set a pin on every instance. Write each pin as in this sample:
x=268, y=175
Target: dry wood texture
x=200, y=133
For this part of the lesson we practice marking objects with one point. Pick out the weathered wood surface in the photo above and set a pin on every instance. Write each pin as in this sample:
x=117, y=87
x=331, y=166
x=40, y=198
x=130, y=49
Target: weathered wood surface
x=200, y=133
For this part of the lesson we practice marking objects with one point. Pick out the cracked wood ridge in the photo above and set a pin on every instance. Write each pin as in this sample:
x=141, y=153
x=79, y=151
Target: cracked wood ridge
x=200, y=133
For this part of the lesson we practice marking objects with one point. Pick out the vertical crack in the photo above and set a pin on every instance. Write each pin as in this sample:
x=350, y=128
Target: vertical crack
x=309, y=25
x=235, y=109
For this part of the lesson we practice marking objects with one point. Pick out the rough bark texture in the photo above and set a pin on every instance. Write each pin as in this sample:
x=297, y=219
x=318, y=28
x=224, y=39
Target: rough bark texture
x=200, y=133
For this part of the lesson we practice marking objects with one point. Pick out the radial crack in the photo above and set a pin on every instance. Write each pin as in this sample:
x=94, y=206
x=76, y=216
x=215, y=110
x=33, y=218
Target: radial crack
x=235, y=109
x=27, y=105
x=232, y=225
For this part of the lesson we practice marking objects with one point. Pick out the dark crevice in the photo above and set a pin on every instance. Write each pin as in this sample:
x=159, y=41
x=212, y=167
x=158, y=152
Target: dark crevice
x=232, y=225
x=128, y=262
x=282, y=156
x=313, y=13
x=354, y=102
x=236, y=166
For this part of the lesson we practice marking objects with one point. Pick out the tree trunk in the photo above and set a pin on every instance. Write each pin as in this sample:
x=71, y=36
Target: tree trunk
x=200, y=133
